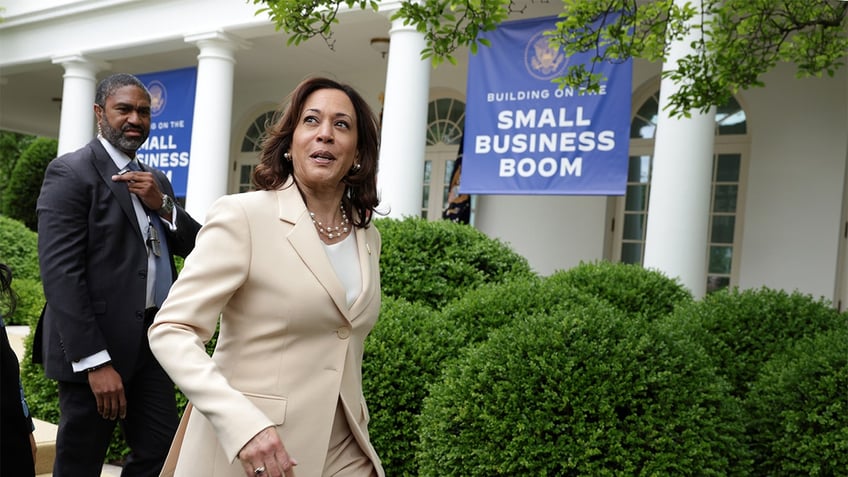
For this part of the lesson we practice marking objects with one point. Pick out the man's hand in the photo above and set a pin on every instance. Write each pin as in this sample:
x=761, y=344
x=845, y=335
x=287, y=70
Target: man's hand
x=108, y=389
x=143, y=185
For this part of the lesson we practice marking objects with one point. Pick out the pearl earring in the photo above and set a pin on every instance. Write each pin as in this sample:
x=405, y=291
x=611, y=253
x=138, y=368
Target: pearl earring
x=356, y=167
x=287, y=156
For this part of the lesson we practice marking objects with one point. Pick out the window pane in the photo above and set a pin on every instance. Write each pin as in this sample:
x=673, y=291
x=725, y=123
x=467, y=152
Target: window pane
x=725, y=198
x=727, y=169
x=638, y=169
x=244, y=177
x=425, y=196
x=722, y=231
x=631, y=253
x=636, y=198
x=633, y=226
x=428, y=166
x=730, y=118
x=720, y=259
x=716, y=283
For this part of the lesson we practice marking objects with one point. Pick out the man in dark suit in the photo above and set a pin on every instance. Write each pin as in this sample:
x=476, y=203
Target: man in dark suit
x=108, y=229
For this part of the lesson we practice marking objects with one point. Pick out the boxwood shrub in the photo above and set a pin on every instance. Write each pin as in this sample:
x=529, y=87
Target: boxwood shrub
x=411, y=344
x=628, y=287
x=742, y=330
x=19, y=249
x=402, y=356
x=582, y=391
x=24, y=185
x=799, y=409
x=436, y=262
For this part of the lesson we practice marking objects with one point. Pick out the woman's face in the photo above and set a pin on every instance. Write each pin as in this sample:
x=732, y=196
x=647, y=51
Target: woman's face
x=325, y=139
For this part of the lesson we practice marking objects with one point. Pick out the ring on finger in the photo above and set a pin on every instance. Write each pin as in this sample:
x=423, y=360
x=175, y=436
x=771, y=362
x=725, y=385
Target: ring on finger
x=259, y=470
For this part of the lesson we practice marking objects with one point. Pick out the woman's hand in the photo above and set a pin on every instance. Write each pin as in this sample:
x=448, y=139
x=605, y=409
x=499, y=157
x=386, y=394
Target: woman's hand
x=265, y=456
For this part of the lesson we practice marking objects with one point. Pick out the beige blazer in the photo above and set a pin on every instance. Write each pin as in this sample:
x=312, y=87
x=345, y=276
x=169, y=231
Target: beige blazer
x=289, y=347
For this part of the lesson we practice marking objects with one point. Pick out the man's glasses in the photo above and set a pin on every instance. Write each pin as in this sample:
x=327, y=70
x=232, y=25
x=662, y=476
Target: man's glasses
x=153, y=239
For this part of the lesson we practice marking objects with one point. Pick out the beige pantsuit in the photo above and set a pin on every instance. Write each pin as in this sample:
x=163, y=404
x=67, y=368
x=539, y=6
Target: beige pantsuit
x=289, y=349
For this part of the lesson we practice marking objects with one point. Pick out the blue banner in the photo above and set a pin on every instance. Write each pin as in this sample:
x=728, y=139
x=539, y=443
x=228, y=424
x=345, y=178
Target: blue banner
x=171, y=117
x=525, y=135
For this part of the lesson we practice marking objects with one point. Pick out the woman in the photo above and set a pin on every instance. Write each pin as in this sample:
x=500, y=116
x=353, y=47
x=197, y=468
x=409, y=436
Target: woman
x=17, y=441
x=293, y=270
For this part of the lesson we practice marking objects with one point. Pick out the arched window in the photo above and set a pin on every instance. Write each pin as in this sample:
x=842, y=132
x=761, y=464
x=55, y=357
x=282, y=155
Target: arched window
x=729, y=166
x=251, y=144
x=445, y=123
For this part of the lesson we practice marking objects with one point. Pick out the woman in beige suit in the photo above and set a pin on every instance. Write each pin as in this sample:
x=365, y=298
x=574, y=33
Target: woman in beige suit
x=293, y=271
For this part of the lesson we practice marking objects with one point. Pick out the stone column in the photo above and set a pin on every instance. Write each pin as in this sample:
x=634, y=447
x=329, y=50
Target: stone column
x=212, y=118
x=679, y=207
x=76, y=123
x=404, y=128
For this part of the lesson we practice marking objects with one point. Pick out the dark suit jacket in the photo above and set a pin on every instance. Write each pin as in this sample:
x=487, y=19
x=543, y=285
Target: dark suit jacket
x=93, y=262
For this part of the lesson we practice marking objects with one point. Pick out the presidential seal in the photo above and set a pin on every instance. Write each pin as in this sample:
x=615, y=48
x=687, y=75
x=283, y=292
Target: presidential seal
x=158, y=97
x=542, y=61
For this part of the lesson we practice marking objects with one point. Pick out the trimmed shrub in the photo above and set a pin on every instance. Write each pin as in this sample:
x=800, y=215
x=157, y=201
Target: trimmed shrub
x=411, y=344
x=436, y=262
x=402, y=356
x=11, y=145
x=628, y=287
x=24, y=186
x=30, y=302
x=583, y=391
x=741, y=330
x=491, y=306
x=799, y=409
x=19, y=249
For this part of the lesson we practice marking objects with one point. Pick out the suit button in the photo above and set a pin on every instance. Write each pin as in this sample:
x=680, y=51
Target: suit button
x=343, y=332
x=139, y=316
x=142, y=274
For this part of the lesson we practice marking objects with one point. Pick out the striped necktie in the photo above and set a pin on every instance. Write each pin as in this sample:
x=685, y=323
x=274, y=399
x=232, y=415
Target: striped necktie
x=157, y=241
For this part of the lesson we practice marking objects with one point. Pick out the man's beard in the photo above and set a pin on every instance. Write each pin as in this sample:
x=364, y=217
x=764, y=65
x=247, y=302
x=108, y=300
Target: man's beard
x=118, y=139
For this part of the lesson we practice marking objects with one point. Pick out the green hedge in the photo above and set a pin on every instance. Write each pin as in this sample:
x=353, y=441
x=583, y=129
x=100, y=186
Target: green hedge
x=628, y=287
x=799, y=409
x=742, y=330
x=21, y=193
x=402, y=356
x=585, y=390
x=19, y=248
x=436, y=262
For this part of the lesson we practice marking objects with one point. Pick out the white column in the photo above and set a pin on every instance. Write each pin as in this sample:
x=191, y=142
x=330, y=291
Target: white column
x=404, y=128
x=678, y=211
x=76, y=123
x=211, y=130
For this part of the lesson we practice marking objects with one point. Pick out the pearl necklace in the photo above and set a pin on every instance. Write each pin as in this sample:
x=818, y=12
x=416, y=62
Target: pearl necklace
x=331, y=231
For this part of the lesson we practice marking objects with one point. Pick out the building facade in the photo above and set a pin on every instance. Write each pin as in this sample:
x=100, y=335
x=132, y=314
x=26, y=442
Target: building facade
x=752, y=195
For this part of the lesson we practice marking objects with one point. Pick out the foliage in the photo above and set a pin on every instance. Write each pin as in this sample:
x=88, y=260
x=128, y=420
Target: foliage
x=582, y=391
x=19, y=249
x=20, y=196
x=799, y=409
x=411, y=344
x=736, y=41
x=628, y=287
x=436, y=262
x=11, y=145
x=30, y=302
x=742, y=330
x=403, y=354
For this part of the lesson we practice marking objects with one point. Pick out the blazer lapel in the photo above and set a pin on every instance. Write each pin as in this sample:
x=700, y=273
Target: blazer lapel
x=106, y=168
x=369, y=264
x=305, y=243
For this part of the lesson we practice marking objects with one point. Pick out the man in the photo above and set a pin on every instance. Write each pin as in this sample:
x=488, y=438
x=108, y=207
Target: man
x=108, y=229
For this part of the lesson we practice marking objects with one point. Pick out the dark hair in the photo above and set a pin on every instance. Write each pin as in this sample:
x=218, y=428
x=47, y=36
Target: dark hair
x=110, y=84
x=7, y=295
x=361, y=186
